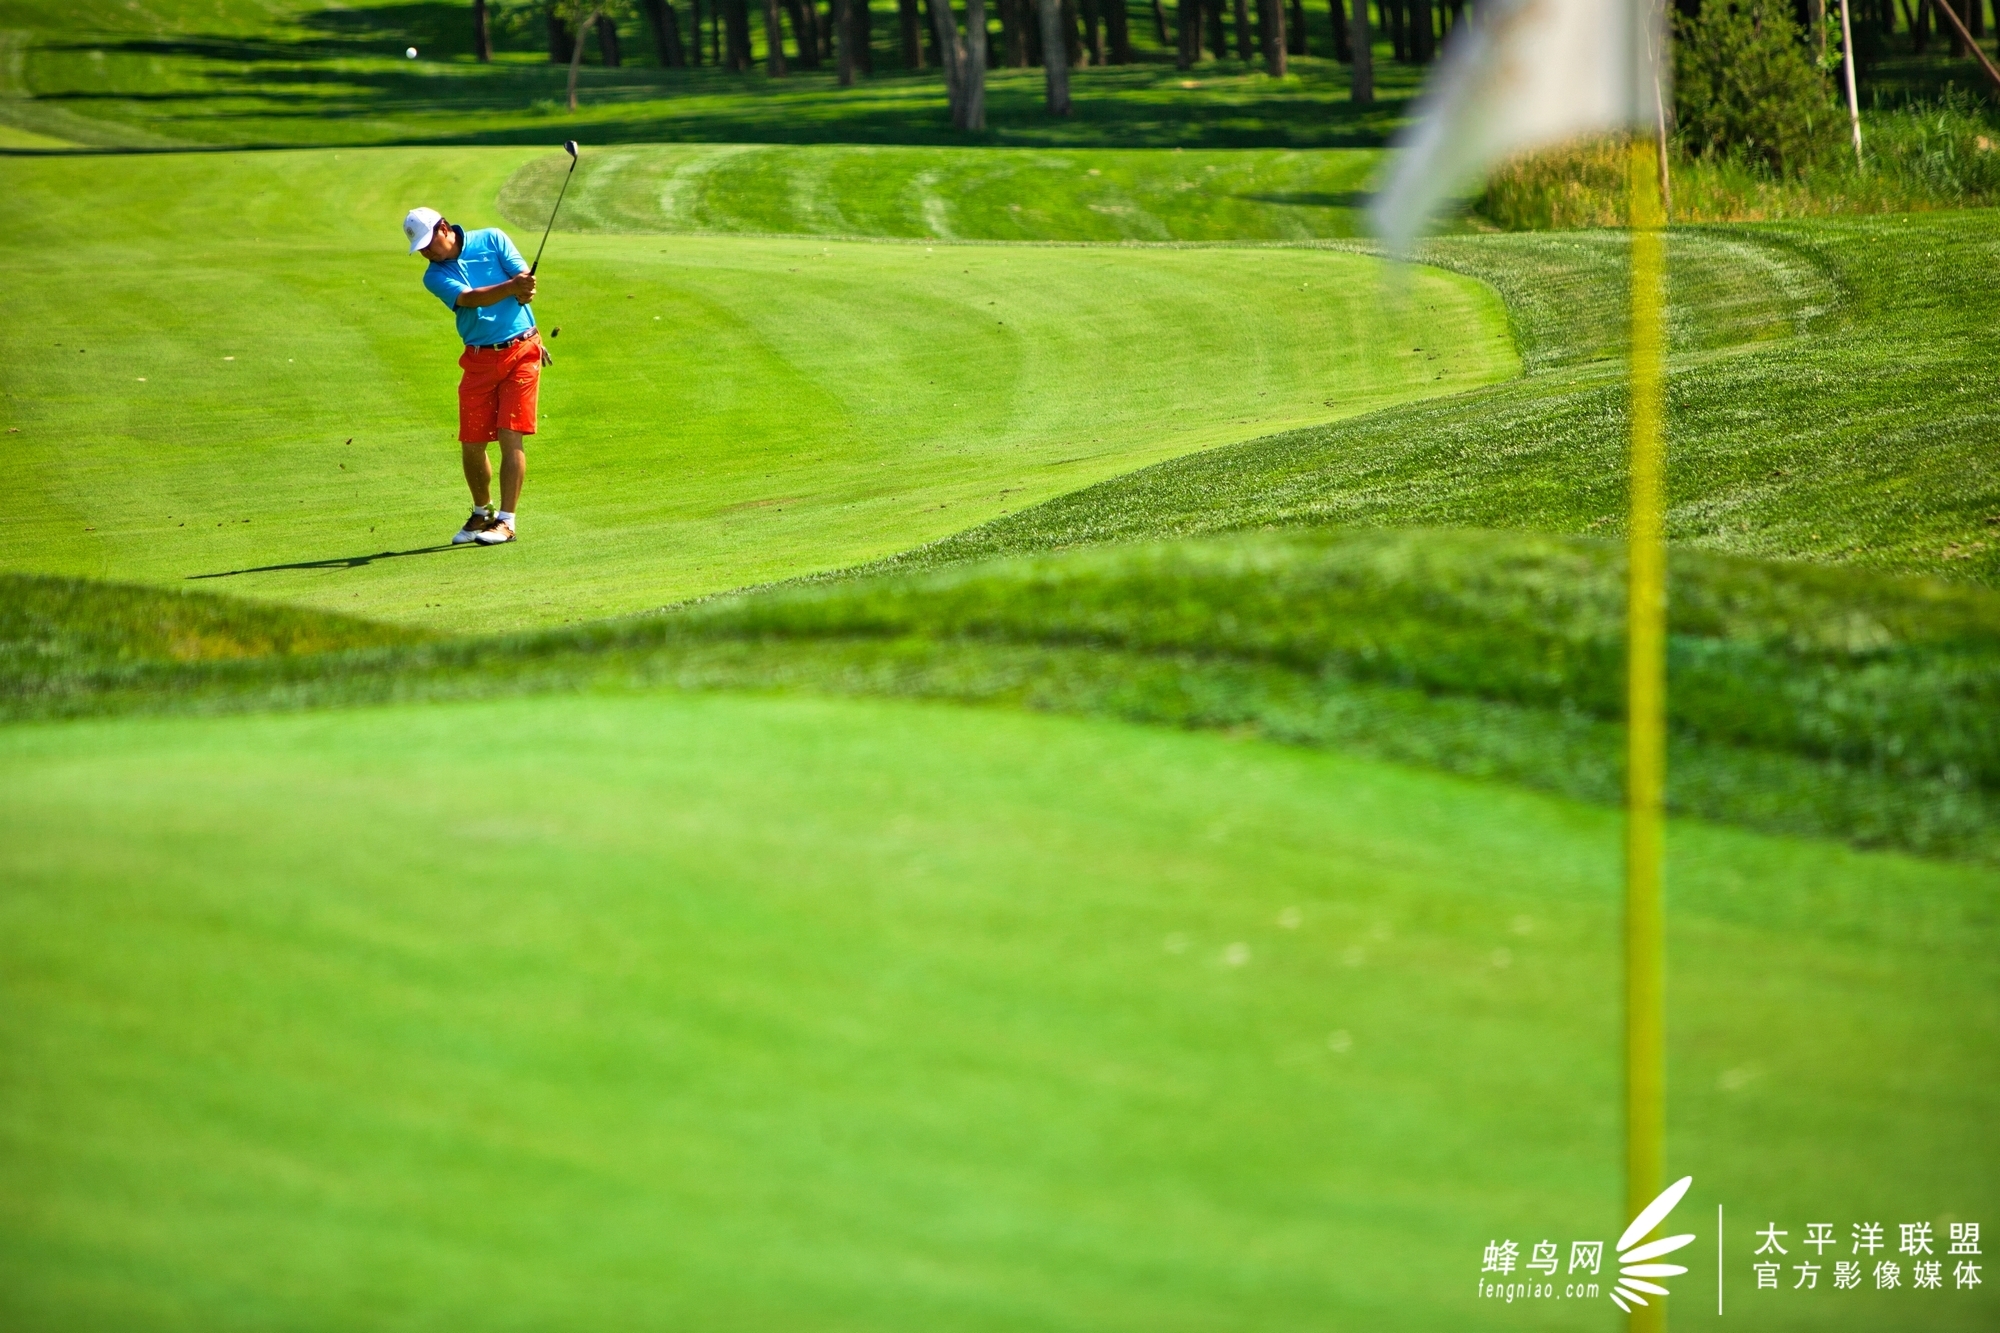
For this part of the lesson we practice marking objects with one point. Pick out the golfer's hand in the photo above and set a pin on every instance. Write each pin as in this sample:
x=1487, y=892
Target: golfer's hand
x=522, y=288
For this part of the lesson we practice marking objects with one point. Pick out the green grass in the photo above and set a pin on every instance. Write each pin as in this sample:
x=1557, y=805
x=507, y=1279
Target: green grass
x=838, y=1015
x=1862, y=443
x=58, y=630
x=427, y=975
x=988, y=194
x=721, y=412
x=1802, y=701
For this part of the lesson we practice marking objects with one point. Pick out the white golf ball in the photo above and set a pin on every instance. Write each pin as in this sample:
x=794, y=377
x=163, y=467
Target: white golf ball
x=411, y=53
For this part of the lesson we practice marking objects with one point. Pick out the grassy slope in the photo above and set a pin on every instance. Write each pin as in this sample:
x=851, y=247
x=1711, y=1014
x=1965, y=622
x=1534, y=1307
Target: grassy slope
x=722, y=412
x=1863, y=443
x=1803, y=701
x=764, y=1013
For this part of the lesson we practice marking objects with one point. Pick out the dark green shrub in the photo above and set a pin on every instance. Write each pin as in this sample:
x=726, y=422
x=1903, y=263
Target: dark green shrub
x=1745, y=86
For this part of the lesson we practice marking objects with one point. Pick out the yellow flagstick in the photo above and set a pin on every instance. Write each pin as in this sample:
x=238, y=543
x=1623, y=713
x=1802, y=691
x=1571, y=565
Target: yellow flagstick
x=1645, y=780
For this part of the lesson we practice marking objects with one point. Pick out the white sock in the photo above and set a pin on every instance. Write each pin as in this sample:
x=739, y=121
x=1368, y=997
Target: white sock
x=482, y=509
x=505, y=517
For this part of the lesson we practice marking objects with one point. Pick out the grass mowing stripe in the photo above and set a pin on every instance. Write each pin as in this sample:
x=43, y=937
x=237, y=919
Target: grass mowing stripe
x=998, y=194
x=761, y=1011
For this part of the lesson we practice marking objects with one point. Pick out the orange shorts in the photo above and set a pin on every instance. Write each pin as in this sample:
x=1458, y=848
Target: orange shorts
x=498, y=390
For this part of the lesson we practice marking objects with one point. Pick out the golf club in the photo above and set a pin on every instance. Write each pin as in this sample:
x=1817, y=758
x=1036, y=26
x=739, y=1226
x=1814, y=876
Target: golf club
x=569, y=146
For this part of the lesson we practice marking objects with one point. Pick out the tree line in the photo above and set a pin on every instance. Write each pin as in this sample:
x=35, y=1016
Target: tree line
x=962, y=39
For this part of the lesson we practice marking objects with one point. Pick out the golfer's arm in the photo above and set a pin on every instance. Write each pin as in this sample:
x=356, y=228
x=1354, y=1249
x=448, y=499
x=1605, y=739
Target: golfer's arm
x=475, y=297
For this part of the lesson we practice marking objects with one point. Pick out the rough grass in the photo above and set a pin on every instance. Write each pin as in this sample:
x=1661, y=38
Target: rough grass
x=1802, y=700
x=54, y=631
x=1917, y=158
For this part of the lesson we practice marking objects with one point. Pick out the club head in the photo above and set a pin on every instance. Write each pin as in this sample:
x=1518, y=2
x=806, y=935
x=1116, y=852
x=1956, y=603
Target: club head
x=569, y=146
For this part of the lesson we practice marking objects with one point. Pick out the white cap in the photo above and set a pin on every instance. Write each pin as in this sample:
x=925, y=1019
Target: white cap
x=420, y=225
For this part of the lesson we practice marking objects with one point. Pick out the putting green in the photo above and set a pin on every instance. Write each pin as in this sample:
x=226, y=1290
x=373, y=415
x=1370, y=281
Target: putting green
x=780, y=1013
x=234, y=374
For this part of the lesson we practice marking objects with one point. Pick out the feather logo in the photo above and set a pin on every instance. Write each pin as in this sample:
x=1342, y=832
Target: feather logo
x=1637, y=1271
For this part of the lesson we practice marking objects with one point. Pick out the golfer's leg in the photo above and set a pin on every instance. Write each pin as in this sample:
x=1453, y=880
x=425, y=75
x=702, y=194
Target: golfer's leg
x=479, y=470
x=513, y=468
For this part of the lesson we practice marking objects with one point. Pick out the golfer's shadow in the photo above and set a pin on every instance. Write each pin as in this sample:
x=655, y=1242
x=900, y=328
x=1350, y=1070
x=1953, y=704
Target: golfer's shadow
x=338, y=562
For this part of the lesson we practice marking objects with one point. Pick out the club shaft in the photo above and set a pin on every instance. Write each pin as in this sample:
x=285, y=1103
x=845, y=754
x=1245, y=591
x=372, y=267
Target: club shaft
x=552, y=216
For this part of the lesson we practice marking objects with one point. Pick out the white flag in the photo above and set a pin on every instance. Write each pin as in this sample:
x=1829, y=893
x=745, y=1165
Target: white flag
x=1523, y=74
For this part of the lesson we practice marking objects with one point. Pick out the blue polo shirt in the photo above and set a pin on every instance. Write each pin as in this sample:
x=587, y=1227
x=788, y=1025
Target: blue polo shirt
x=485, y=257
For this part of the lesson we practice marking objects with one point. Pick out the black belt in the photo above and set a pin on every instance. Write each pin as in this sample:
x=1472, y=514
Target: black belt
x=501, y=347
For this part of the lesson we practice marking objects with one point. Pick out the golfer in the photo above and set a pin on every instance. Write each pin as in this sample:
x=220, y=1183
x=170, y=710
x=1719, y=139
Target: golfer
x=485, y=283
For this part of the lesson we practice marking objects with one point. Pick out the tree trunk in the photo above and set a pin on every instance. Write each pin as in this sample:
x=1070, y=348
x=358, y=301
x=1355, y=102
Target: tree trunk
x=665, y=33
x=1272, y=23
x=912, y=27
x=738, y=35
x=1399, y=40
x=576, y=58
x=964, y=61
x=1295, y=29
x=863, y=23
x=805, y=32
x=559, y=41
x=974, y=95
x=1160, y=22
x=666, y=26
x=695, y=13
x=1423, y=41
x=482, y=41
x=1117, y=32
x=715, y=25
x=1072, y=46
x=676, y=48
x=1343, y=50
x=607, y=42
x=1055, y=55
x=1013, y=42
x=1218, y=40
x=774, y=41
x=950, y=55
x=1920, y=28
x=1187, y=18
x=843, y=41
x=1361, y=43
x=1093, y=33
x=1245, y=49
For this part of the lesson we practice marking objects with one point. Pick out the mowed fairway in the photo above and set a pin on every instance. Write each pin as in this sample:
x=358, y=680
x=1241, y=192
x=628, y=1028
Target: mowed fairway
x=1003, y=194
x=763, y=1013
x=230, y=370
